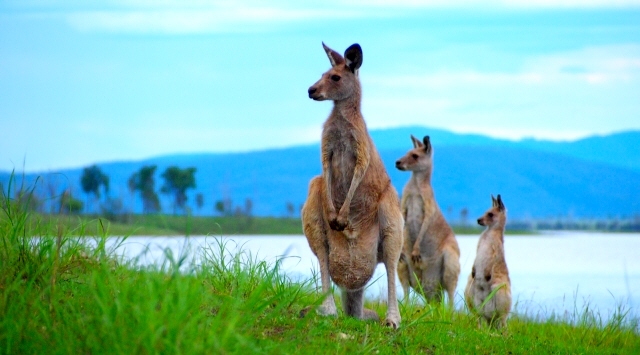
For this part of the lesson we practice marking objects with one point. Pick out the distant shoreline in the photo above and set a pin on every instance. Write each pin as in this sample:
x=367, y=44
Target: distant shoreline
x=186, y=225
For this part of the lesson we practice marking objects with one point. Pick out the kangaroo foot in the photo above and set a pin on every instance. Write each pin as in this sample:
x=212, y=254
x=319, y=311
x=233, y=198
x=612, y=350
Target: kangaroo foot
x=369, y=314
x=327, y=308
x=392, y=321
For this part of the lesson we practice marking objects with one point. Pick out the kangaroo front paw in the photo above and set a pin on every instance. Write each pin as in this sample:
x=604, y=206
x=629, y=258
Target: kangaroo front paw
x=415, y=255
x=338, y=222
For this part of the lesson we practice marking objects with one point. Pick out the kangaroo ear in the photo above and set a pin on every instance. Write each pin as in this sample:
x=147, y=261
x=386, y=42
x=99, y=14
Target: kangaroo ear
x=500, y=204
x=353, y=56
x=334, y=57
x=416, y=142
x=427, y=143
x=493, y=201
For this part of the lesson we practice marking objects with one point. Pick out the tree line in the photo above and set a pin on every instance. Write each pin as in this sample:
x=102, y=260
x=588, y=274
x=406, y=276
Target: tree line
x=176, y=183
x=96, y=184
x=142, y=186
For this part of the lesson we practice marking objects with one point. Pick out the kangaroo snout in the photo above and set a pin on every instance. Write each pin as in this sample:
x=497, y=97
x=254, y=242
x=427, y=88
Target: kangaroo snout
x=480, y=222
x=312, y=91
x=399, y=165
x=316, y=94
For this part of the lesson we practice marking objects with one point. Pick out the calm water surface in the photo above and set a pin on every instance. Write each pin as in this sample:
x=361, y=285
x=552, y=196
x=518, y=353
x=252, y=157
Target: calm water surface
x=554, y=272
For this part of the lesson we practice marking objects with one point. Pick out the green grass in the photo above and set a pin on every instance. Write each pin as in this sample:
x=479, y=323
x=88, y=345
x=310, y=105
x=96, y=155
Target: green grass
x=59, y=295
x=169, y=225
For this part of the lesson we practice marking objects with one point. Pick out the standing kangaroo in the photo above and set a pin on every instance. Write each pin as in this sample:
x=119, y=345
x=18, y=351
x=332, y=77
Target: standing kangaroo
x=489, y=272
x=428, y=239
x=351, y=218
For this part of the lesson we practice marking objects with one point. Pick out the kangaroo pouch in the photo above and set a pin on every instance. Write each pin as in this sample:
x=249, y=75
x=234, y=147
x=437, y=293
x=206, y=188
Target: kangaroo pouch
x=352, y=261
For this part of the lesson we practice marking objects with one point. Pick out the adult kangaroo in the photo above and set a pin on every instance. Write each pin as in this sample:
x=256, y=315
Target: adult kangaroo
x=352, y=218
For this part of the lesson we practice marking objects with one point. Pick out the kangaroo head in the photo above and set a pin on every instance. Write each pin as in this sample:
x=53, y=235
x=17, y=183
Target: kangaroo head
x=341, y=81
x=420, y=158
x=497, y=214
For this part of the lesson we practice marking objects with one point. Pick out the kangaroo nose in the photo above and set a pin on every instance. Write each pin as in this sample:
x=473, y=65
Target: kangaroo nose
x=398, y=163
x=312, y=90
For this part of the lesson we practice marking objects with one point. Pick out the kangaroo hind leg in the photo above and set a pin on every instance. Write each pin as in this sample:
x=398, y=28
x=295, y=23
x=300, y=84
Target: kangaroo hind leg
x=353, y=305
x=391, y=225
x=315, y=229
x=451, y=273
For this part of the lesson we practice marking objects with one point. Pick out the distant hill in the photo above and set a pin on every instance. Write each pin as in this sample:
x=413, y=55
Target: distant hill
x=593, y=177
x=398, y=138
x=619, y=149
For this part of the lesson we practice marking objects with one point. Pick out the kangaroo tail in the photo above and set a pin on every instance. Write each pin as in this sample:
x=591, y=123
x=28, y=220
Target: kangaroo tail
x=451, y=271
x=412, y=276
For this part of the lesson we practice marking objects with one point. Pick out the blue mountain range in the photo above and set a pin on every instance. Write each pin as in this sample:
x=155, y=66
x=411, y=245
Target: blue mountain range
x=595, y=177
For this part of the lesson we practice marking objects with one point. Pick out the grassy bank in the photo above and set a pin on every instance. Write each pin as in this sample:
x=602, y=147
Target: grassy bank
x=160, y=224
x=166, y=225
x=58, y=295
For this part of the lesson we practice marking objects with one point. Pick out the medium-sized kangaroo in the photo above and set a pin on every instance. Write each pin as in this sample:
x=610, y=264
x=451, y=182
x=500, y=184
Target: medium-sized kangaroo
x=351, y=218
x=428, y=239
x=490, y=271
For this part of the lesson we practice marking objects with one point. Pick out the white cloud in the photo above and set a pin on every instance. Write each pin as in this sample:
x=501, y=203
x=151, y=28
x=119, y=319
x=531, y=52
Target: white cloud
x=593, y=65
x=564, y=95
x=188, y=17
x=362, y=4
x=186, y=21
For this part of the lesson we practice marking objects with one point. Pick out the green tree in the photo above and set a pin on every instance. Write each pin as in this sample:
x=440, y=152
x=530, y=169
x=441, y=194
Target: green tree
x=69, y=204
x=144, y=182
x=199, y=201
x=112, y=208
x=291, y=209
x=176, y=182
x=91, y=180
x=248, y=207
x=220, y=207
x=464, y=214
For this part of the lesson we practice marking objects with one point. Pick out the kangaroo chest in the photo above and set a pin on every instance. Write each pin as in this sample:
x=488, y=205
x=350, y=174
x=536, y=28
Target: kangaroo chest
x=484, y=262
x=340, y=147
x=415, y=214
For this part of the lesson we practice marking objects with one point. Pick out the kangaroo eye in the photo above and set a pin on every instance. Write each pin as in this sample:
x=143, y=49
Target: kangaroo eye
x=414, y=156
x=335, y=77
x=490, y=214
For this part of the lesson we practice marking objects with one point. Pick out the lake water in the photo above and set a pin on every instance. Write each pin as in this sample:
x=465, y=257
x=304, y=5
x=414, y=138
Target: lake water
x=551, y=273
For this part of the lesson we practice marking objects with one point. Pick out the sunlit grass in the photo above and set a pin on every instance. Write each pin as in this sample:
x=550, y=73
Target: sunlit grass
x=62, y=294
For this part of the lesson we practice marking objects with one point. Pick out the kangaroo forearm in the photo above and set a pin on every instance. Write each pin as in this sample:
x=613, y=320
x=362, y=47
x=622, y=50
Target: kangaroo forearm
x=327, y=174
x=328, y=181
x=358, y=174
x=421, y=234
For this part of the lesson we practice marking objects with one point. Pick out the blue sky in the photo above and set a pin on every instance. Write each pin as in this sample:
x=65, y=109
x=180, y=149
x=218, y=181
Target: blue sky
x=126, y=80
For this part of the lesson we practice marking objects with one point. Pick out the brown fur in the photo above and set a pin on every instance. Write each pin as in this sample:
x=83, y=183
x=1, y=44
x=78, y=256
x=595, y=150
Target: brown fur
x=490, y=271
x=351, y=218
x=428, y=239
